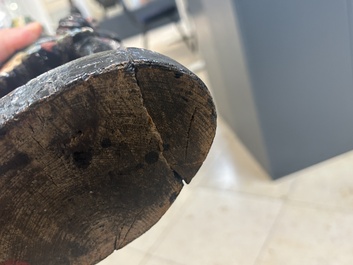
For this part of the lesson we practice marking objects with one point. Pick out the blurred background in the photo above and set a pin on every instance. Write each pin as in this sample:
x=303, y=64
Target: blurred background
x=277, y=185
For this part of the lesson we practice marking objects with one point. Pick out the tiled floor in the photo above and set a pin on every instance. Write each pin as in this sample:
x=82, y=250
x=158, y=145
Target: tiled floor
x=233, y=214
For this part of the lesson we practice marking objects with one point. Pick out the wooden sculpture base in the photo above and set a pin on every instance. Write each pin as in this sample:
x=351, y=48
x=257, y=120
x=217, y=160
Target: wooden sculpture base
x=94, y=152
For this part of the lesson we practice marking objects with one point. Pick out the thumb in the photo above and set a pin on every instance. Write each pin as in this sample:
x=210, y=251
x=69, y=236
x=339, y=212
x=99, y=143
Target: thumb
x=15, y=39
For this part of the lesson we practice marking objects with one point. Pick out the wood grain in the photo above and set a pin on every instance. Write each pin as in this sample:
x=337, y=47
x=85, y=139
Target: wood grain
x=94, y=152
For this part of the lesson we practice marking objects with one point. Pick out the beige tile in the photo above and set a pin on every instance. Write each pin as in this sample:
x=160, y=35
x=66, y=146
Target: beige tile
x=152, y=260
x=125, y=255
x=219, y=228
x=231, y=167
x=309, y=236
x=329, y=184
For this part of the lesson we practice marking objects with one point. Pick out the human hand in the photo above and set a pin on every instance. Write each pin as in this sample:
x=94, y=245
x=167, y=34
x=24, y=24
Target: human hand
x=14, y=39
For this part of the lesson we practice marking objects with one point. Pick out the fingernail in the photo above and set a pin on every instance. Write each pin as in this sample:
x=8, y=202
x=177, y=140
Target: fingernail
x=34, y=29
x=34, y=25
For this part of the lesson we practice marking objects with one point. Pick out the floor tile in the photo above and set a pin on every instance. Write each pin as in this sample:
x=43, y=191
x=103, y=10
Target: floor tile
x=309, y=236
x=159, y=261
x=233, y=168
x=329, y=184
x=124, y=256
x=219, y=228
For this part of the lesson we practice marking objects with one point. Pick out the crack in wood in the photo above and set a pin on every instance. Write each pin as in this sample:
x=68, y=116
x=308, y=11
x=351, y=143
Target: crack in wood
x=188, y=133
x=134, y=75
x=70, y=117
x=52, y=180
x=116, y=242
x=130, y=228
x=31, y=128
x=117, y=239
x=34, y=139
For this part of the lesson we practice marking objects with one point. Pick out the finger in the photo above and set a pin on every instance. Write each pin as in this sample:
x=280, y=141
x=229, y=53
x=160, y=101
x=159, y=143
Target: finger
x=15, y=39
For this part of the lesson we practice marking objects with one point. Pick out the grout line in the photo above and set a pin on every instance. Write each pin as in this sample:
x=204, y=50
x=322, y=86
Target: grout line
x=165, y=261
x=145, y=259
x=241, y=192
x=284, y=198
x=318, y=206
x=270, y=233
x=290, y=202
x=292, y=186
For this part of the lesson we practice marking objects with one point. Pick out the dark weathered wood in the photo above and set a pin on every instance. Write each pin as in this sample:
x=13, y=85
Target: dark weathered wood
x=94, y=152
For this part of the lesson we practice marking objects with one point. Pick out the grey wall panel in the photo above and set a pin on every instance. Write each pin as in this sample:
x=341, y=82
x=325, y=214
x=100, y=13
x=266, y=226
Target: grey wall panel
x=300, y=63
x=282, y=77
x=221, y=47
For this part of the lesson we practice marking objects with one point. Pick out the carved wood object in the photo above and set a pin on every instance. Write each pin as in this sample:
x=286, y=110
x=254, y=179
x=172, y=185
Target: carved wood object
x=93, y=153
